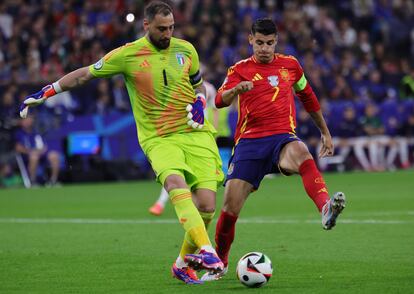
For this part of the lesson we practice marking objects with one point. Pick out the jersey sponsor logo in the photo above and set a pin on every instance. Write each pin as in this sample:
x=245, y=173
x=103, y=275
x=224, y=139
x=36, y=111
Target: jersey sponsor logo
x=99, y=64
x=180, y=58
x=231, y=169
x=273, y=80
x=284, y=74
x=257, y=77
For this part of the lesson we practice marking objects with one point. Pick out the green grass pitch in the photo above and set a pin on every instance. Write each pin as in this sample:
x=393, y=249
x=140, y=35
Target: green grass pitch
x=99, y=238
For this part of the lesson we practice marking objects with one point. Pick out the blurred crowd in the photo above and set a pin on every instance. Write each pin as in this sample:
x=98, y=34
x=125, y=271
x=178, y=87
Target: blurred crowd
x=357, y=54
x=353, y=50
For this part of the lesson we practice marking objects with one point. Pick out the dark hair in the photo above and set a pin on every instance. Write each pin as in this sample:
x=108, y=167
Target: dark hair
x=264, y=26
x=156, y=7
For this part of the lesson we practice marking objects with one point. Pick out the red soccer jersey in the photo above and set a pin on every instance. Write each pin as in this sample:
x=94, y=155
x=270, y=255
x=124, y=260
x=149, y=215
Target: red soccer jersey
x=269, y=107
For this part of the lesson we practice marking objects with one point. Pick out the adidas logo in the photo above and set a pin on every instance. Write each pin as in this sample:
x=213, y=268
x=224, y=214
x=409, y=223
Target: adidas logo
x=145, y=63
x=257, y=77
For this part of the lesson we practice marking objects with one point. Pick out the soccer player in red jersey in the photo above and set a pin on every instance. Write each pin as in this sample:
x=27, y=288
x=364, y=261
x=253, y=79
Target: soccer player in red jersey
x=265, y=140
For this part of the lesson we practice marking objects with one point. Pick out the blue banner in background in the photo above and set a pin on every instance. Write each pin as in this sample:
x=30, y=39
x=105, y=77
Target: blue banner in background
x=117, y=132
x=117, y=138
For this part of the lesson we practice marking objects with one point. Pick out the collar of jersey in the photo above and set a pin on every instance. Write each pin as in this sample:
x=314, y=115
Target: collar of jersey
x=256, y=61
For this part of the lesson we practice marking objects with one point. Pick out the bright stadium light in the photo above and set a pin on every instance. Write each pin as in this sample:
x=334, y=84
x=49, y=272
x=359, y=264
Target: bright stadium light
x=130, y=17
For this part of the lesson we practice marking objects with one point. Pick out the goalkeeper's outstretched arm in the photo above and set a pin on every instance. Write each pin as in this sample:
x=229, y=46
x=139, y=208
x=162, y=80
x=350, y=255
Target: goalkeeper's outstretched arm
x=72, y=80
x=75, y=78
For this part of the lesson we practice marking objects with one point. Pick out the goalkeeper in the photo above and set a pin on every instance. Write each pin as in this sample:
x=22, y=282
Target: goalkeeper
x=167, y=97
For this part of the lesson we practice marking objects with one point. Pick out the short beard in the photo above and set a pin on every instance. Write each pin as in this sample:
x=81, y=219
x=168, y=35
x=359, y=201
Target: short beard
x=160, y=45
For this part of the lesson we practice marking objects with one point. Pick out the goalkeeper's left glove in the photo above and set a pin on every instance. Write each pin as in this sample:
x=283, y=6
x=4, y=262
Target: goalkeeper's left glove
x=38, y=98
x=196, y=112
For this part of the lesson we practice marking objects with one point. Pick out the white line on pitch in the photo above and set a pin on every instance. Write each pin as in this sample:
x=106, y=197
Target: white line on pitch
x=370, y=214
x=173, y=221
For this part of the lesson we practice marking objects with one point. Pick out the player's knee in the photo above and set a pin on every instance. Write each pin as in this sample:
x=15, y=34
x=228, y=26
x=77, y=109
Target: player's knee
x=205, y=200
x=206, y=208
x=174, y=182
x=293, y=155
x=172, y=185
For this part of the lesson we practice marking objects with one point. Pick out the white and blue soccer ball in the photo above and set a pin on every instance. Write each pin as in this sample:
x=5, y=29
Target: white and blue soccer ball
x=254, y=269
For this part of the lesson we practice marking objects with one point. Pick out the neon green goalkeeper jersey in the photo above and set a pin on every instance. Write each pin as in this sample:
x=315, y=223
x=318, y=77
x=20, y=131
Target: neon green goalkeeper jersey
x=160, y=84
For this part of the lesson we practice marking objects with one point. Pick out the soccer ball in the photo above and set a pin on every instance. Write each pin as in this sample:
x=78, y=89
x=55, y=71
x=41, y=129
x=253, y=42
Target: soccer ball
x=254, y=269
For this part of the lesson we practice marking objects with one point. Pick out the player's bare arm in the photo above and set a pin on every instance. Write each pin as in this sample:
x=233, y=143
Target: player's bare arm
x=72, y=80
x=327, y=145
x=75, y=78
x=228, y=96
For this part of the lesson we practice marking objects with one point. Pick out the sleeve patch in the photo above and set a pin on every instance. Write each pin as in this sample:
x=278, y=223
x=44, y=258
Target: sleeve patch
x=301, y=84
x=98, y=65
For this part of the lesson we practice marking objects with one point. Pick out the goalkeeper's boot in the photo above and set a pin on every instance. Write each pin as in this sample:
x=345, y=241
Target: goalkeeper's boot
x=187, y=275
x=209, y=276
x=332, y=209
x=204, y=260
x=156, y=209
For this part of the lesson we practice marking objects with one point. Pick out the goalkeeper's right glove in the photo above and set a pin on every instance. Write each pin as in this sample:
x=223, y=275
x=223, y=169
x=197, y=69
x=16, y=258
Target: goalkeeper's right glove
x=38, y=98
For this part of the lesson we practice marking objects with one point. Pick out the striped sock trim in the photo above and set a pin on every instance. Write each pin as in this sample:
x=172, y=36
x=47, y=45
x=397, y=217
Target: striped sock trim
x=180, y=197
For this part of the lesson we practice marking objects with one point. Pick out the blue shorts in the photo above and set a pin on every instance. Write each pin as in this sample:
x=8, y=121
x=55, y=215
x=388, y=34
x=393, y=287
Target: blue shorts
x=254, y=158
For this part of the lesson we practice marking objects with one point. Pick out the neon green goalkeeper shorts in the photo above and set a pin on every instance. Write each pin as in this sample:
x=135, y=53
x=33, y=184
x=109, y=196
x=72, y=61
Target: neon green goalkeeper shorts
x=192, y=155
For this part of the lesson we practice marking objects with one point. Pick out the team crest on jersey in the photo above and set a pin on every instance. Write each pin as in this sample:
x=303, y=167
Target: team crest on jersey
x=273, y=80
x=99, y=64
x=180, y=58
x=284, y=74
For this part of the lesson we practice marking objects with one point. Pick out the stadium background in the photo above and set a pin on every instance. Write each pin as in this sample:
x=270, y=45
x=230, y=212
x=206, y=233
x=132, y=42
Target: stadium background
x=355, y=54
x=100, y=238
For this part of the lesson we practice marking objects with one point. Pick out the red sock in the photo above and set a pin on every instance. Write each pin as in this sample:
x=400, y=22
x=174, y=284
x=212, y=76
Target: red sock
x=225, y=229
x=314, y=183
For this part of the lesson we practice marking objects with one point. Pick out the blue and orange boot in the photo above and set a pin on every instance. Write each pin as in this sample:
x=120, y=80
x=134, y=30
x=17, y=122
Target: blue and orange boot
x=187, y=275
x=204, y=261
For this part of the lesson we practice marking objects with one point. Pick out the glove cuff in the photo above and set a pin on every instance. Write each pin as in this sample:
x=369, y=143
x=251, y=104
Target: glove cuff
x=48, y=91
x=202, y=98
x=57, y=87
